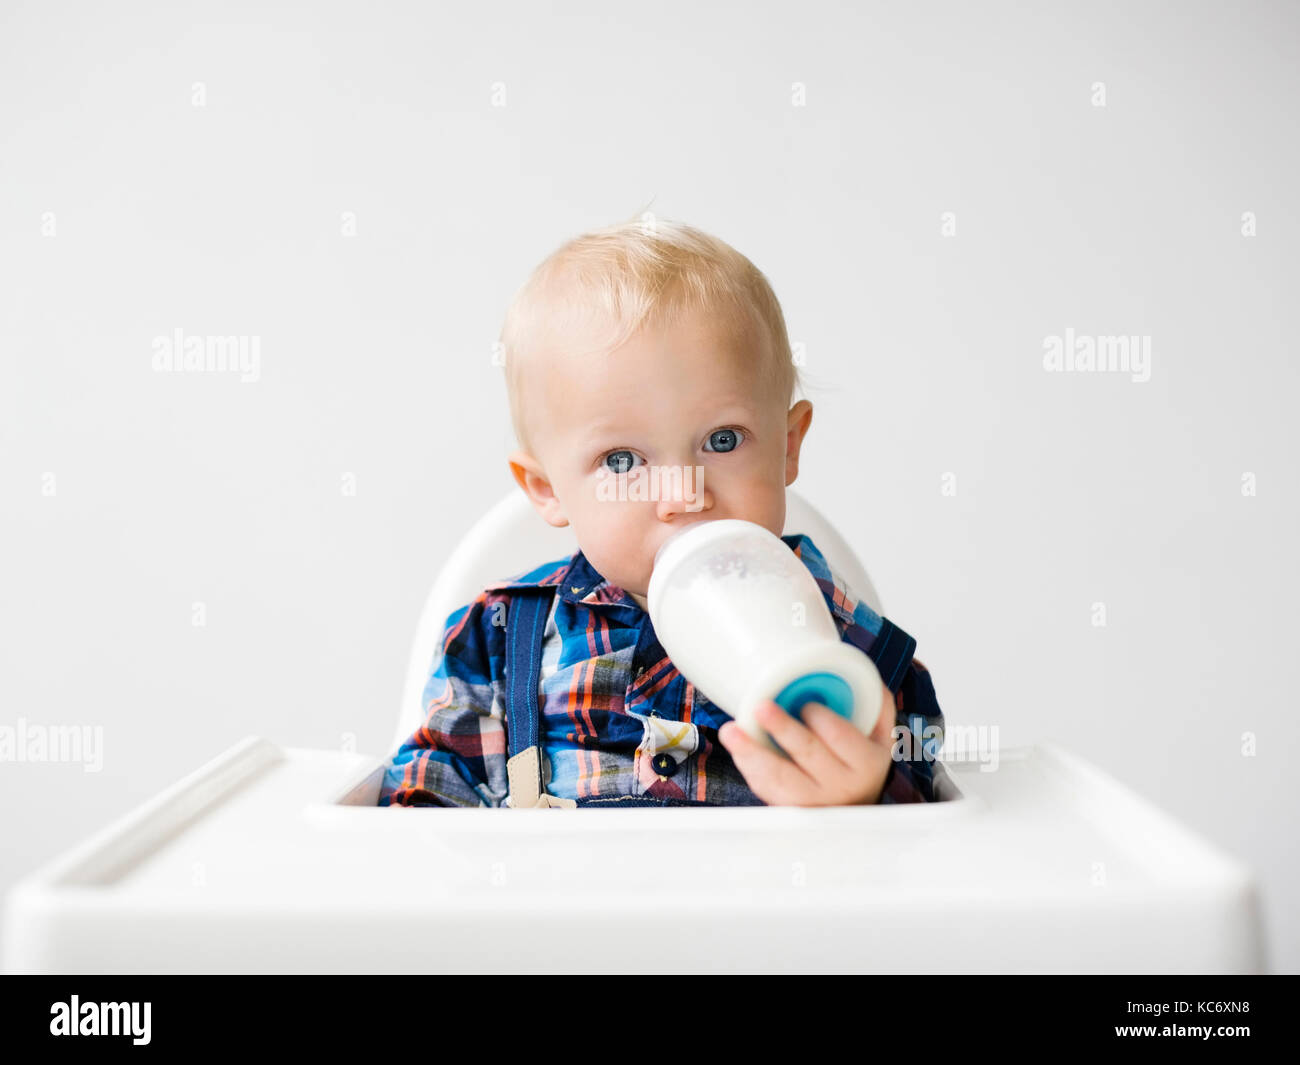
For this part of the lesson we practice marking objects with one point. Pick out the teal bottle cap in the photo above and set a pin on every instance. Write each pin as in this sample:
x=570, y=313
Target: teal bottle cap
x=829, y=689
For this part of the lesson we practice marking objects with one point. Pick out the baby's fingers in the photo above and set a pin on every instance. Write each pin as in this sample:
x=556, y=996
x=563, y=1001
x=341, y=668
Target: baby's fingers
x=813, y=745
x=774, y=779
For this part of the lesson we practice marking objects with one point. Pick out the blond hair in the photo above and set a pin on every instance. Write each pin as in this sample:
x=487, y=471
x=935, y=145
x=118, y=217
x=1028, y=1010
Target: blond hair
x=608, y=283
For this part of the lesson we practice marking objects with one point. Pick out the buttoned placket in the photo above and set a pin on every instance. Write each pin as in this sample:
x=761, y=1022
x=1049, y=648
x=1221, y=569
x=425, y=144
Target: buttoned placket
x=647, y=652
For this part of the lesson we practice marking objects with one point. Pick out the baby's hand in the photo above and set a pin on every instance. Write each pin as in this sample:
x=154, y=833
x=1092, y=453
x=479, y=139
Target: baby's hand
x=831, y=762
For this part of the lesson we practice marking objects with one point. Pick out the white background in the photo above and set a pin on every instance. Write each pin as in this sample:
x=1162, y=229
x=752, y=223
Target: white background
x=925, y=352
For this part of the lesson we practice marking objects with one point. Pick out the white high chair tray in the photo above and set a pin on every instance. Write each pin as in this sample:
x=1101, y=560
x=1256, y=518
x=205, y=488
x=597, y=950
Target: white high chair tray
x=273, y=859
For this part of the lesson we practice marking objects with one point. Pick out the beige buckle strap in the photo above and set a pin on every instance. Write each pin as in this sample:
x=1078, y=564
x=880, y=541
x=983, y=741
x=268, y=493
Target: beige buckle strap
x=524, y=772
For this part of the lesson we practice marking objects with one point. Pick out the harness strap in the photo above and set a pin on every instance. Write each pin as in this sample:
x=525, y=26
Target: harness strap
x=525, y=629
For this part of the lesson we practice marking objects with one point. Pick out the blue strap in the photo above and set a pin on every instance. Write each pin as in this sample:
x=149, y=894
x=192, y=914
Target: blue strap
x=525, y=627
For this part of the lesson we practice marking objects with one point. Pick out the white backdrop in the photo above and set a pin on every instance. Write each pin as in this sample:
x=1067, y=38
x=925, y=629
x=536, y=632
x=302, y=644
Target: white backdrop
x=935, y=191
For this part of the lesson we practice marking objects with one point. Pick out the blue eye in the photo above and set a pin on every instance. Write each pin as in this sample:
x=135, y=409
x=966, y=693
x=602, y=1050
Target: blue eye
x=622, y=461
x=725, y=439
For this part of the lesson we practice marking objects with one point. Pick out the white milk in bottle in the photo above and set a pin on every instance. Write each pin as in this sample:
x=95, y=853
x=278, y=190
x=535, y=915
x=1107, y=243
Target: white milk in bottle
x=743, y=620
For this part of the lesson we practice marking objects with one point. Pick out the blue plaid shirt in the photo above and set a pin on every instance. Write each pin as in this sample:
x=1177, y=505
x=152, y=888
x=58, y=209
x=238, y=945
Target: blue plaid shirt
x=617, y=717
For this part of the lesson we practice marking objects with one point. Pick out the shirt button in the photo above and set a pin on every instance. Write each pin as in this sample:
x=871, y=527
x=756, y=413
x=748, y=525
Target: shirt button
x=664, y=765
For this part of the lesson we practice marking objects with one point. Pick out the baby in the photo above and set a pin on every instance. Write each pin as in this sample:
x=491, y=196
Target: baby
x=647, y=344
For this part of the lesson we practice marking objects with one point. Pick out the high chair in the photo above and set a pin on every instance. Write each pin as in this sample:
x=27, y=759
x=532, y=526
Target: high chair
x=276, y=859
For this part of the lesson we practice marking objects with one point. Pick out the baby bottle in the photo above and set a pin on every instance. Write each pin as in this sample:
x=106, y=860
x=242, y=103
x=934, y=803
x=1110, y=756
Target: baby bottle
x=743, y=620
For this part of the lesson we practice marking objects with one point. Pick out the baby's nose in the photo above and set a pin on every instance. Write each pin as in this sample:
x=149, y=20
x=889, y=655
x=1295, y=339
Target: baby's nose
x=682, y=491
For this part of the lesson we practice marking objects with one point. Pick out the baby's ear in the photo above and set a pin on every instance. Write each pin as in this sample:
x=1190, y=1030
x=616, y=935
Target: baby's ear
x=530, y=476
x=797, y=421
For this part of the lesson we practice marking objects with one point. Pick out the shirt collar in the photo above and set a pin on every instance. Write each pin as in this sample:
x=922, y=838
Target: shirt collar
x=577, y=580
x=580, y=582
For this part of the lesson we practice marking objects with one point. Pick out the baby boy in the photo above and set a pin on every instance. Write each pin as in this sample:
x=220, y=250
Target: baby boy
x=647, y=344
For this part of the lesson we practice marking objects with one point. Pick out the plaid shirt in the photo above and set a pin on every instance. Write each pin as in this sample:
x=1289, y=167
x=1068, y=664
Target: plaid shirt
x=617, y=716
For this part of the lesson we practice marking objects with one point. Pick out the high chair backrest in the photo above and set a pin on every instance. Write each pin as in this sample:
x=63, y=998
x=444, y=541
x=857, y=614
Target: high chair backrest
x=512, y=538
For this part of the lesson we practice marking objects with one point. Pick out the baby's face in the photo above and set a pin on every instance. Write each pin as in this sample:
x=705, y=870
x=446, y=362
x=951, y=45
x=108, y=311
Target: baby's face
x=686, y=396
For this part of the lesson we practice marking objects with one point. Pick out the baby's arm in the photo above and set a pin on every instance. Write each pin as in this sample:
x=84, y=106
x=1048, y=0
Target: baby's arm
x=910, y=703
x=458, y=757
x=919, y=731
x=830, y=763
